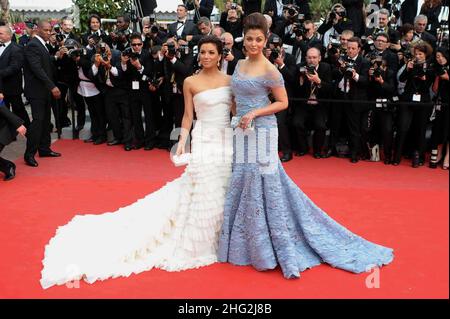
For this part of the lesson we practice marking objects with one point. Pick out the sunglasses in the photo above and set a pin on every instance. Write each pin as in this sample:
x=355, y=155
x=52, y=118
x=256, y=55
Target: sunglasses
x=136, y=44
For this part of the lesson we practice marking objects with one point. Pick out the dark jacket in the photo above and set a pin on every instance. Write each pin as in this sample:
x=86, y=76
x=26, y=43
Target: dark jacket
x=190, y=28
x=39, y=71
x=11, y=63
x=205, y=10
x=355, y=13
x=326, y=86
x=9, y=123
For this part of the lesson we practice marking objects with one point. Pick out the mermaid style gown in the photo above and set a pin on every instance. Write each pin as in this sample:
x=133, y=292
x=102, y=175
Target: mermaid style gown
x=174, y=228
x=268, y=220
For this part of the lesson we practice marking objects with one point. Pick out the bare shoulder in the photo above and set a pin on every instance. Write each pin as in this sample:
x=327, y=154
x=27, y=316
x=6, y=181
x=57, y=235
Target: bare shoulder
x=270, y=68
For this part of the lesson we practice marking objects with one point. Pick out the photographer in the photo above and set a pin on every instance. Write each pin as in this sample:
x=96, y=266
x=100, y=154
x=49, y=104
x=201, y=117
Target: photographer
x=439, y=137
x=67, y=29
x=204, y=26
x=94, y=25
x=137, y=70
x=306, y=37
x=203, y=8
x=381, y=90
x=178, y=65
x=420, y=25
x=108, y=70
x=230, y=20
x=352, y=86
x=315, y=83
x=231, y=55
x=119, y=39
x=418, y=76
x=88, y=88
x=155, y=84
x=183, y=27
x=381, y=48
x=285, y=63
x=335, y=24
x=11, y=63
x=151, y=34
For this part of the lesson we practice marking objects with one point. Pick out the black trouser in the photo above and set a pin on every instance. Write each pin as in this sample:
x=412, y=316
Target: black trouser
x=178, y=109
x=337, y=114
x=119, y=114
x=418, y=115
x=318, y=114
x=141, y=100
x=97, y=113
x=18, y=108
x=79, y=105
x=359, y=127
x=63, y=107
x=284, y=140
x=38, y=135
x=440, y=128
x=157, y=109
x=167, y=121
x=383, y=131
x=4, y=164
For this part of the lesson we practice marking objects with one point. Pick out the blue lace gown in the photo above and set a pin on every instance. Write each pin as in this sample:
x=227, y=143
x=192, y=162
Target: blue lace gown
x=268, y=220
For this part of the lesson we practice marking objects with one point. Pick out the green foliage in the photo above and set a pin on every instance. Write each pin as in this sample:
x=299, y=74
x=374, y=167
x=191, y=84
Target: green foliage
x=109, y=9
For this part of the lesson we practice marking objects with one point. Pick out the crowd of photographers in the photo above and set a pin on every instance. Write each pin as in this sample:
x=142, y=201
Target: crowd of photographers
x=367, y=81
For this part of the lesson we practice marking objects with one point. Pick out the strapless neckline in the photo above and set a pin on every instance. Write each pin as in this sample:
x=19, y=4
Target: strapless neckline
x=209, y=90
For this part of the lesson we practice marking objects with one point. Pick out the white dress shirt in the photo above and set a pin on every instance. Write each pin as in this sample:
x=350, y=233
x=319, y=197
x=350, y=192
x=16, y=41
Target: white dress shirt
x=3, y=48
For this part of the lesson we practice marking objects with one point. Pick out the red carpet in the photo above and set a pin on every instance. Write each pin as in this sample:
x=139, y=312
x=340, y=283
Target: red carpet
x=400, y=207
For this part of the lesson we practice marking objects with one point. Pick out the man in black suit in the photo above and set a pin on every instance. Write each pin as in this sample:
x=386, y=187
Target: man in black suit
x=352, y=86
x=203, y=8
x=286, y=65
x=177, y=67
x=135, y=69
x=183, y=27
x=10, y=125
x=11, y=63
x=420, y=25
x=39, y=88
x=231, y=55
x=315, y=83
x=67, y=26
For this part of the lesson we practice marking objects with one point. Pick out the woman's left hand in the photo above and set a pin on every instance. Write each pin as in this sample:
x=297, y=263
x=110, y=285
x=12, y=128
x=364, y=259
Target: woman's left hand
x=247, y=119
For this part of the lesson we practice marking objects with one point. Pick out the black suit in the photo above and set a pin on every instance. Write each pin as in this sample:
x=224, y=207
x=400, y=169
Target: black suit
x=355, y=13
x=238, y=55
x=356, y=113
x=289, y=73
x=39, y=72
x=317, y=112
x=11, y=63
x=8, y=126
x=190, y=28
x=205, y=9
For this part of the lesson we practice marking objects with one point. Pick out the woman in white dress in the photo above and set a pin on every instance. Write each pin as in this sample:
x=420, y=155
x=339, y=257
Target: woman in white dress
x=174, y=228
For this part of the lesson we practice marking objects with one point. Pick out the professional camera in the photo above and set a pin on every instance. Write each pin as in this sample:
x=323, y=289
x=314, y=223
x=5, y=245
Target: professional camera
x=441, y=69
x=420, y=69
x=376, y=62
x=292, y=10
x=154, y=29
x=171, y=49
x=299, y=29
x=334, y=45
x=367, y=43
x=226, y=51
x=130, y=53
x=234, y=6
x=308, y=69
x=338, y=12
x=75, y=53
x=407, y=54
x=276, y=51
x=101, y=49
x=347, y=66
x=184, y=49
x=59, y=35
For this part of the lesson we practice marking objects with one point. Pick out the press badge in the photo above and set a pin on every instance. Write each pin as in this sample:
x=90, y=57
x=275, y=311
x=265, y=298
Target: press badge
x=416, y=98
x=381, y=103
x=135, y=85
x=174, y=89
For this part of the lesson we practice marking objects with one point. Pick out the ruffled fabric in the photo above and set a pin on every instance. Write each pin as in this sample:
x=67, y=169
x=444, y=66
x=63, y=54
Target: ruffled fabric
x=174, y=228
x=268, y=220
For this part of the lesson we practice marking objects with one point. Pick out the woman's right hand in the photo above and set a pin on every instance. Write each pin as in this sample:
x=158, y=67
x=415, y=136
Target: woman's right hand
x=181, y=149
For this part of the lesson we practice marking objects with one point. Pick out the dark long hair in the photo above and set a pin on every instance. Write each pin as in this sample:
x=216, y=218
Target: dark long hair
x=212, y=39
x=256, y=21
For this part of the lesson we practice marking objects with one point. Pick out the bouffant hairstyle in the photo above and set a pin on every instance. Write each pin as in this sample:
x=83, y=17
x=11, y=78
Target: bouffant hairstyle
x=256, y=21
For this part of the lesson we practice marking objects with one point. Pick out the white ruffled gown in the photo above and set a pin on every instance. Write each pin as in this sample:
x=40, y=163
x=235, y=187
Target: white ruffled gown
x=174, y=228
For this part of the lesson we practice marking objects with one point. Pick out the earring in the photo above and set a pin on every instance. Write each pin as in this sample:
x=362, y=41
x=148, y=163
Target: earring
x=218, y=64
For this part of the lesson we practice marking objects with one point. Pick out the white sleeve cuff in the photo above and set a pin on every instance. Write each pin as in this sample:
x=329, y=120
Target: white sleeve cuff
x=114, y=71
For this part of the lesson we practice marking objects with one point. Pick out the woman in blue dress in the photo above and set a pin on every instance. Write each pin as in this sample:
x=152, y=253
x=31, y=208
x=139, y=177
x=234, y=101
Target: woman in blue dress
x=268, y=220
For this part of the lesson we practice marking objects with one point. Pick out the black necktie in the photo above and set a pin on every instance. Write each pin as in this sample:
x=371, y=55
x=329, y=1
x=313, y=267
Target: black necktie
x=2, y=45
x=179, y=21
